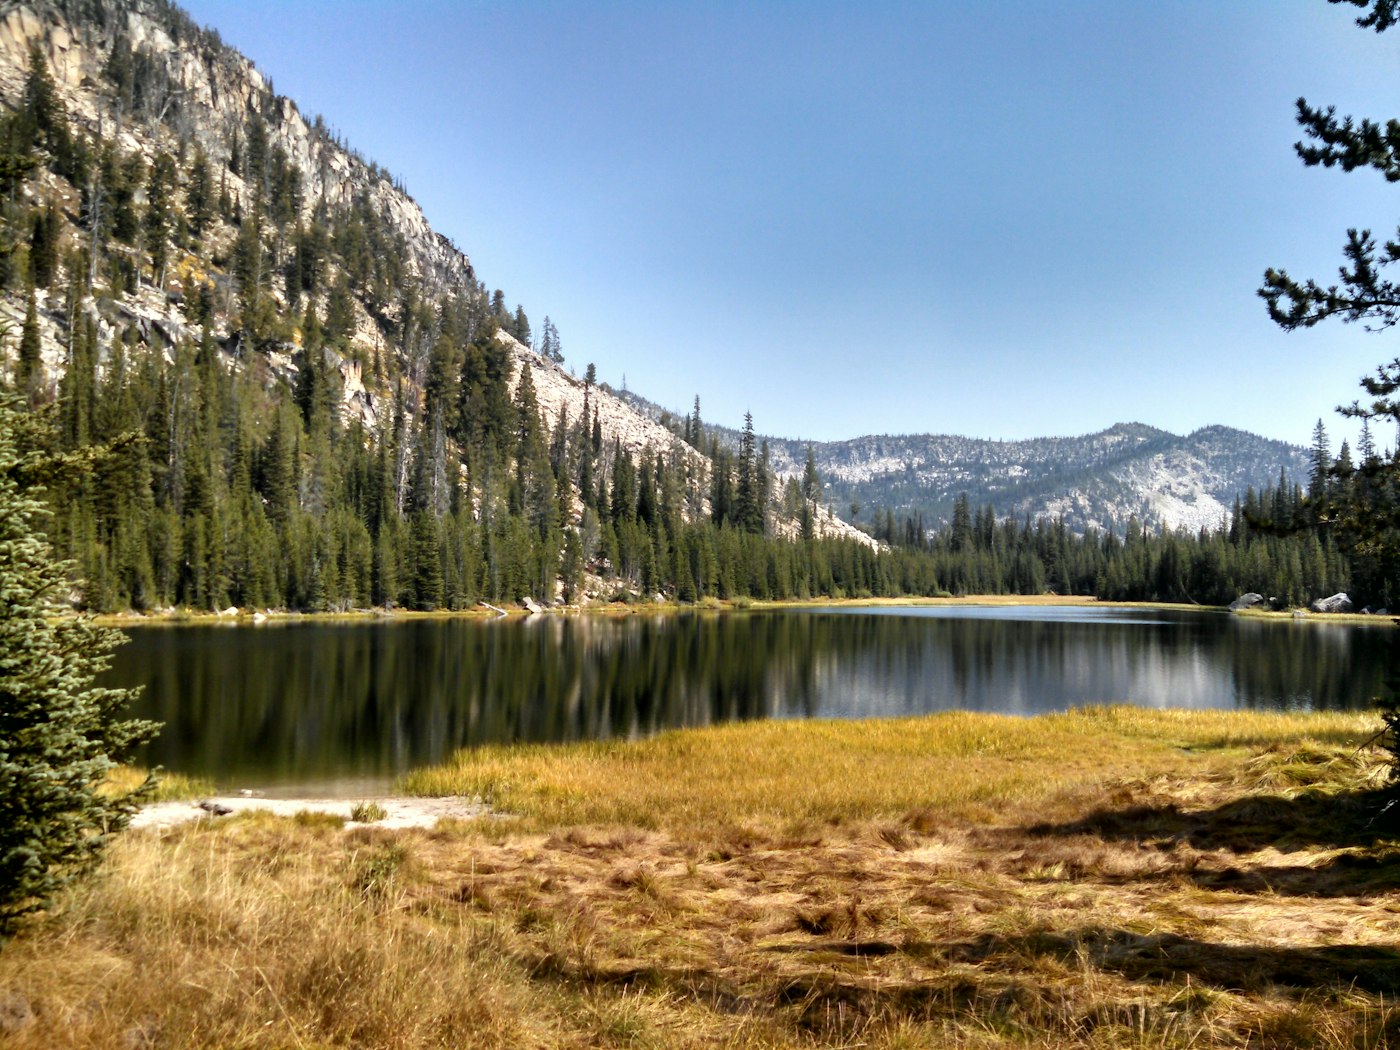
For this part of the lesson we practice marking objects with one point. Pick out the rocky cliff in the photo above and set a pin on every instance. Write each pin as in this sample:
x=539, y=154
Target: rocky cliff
x=199, y=91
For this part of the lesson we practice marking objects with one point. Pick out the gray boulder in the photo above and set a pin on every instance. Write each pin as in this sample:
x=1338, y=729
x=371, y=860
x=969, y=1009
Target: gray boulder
x=1246, y=601
x=1338, y=603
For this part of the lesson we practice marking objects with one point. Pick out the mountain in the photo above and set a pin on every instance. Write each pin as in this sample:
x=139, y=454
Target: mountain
x=264, y=380
x=1099, y=480
x=1095, y=481
x=143, y=73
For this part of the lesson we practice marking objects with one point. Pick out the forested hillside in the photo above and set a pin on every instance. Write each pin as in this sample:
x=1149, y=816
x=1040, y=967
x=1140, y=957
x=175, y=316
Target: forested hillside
x=309, y=398
x=259, y=378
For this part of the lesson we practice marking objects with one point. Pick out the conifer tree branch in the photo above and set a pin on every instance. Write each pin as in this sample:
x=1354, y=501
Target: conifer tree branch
x=1382, y=14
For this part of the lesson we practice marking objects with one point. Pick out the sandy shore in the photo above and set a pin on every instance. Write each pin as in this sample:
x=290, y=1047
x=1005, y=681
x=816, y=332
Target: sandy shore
x=400, y=812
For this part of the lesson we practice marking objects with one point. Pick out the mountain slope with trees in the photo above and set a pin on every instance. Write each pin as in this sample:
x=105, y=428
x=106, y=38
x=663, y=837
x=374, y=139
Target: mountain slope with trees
x=311, y=400
x=325, y=406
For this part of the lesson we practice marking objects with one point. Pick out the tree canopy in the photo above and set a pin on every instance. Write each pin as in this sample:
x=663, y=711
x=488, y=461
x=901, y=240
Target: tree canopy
x=1358, y=504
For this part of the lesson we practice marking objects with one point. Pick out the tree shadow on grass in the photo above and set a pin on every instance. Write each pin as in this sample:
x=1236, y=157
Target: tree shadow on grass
x=1345, y=875
x=1357, y=821
x=1310, y=820
x=1169, y=956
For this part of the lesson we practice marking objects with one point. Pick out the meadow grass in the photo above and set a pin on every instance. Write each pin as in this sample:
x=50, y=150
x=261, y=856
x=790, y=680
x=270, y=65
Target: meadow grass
x=1106, y=878
x=964, y=765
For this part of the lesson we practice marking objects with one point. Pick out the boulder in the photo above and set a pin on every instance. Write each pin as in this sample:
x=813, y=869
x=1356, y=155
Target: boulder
x=1246, y=601
x=1338, y=603
x=530, y=604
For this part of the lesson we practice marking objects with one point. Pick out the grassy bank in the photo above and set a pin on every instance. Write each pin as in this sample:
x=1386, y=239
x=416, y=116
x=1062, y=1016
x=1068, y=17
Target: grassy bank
x=1108, y=878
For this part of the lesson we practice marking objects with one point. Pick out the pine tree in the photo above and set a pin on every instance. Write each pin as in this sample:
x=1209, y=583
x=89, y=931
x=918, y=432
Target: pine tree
x=556, y=346
x=43, y=246
x=160, y=215
x=550, y=347
x=697, y=428
x=1363, y=294
x=27, y=375
x=427, y=581
x=1320, y=455
x=59, y=733
x=748, y=509
x=43, y=122
x=811, y=479
x=199, y=196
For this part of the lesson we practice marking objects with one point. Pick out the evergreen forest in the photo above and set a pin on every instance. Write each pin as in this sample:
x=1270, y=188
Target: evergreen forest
x=221, y=460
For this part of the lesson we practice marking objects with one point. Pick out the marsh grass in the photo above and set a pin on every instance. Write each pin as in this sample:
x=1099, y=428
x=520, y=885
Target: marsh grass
x=1108, y=878
x=170, y=787
x=956, y=764
x=368, y=812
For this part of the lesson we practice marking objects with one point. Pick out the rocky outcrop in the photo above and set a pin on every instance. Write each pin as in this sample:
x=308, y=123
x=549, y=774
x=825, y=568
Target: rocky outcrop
x=636, y=432
x=1246, y=601
x=204, y=92
x=558, y=392
x=1337, y=603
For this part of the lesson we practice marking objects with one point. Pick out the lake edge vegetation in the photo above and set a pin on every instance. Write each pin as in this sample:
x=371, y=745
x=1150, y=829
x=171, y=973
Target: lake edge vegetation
x=1107, y=877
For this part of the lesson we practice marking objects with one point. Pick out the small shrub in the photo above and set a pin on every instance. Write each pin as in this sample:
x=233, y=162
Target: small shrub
x=368, y=812
x=376, y=870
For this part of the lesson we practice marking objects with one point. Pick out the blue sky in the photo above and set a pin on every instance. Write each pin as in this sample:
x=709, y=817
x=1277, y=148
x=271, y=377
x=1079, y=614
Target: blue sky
x=1000, y=220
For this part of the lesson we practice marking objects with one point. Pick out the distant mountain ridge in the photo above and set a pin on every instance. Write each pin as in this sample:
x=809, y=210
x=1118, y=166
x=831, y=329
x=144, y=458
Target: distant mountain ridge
x=1099, y=480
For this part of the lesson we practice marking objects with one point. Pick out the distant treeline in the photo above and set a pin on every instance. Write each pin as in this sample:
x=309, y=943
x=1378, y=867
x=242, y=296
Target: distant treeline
x=1270, y=545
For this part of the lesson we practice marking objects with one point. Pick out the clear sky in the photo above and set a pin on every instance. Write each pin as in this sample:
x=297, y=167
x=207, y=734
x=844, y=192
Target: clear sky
x=1002, y=220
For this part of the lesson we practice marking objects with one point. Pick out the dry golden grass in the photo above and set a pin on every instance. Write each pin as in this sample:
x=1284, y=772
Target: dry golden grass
x=961, y=764
x=1113, y=878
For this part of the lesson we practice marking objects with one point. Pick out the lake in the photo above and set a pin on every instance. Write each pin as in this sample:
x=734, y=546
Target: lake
x=342, y=708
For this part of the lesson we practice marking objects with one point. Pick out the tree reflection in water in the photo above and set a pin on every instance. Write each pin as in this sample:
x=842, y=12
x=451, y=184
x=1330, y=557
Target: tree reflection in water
x=317, y=702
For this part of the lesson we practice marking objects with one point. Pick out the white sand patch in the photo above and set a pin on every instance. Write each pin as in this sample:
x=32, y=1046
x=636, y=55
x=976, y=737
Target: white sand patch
x=401, y=812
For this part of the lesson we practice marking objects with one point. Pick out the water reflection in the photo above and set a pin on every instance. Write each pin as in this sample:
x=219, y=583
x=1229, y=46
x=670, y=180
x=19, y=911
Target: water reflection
x=318, y=703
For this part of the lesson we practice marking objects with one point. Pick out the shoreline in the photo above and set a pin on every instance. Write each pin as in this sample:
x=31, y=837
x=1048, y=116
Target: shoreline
x=421, y=796
x=388, y=811
x=265, y=617
x=246, y=617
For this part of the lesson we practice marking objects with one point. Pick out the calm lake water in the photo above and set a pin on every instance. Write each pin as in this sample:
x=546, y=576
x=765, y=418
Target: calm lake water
x=345, y=707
